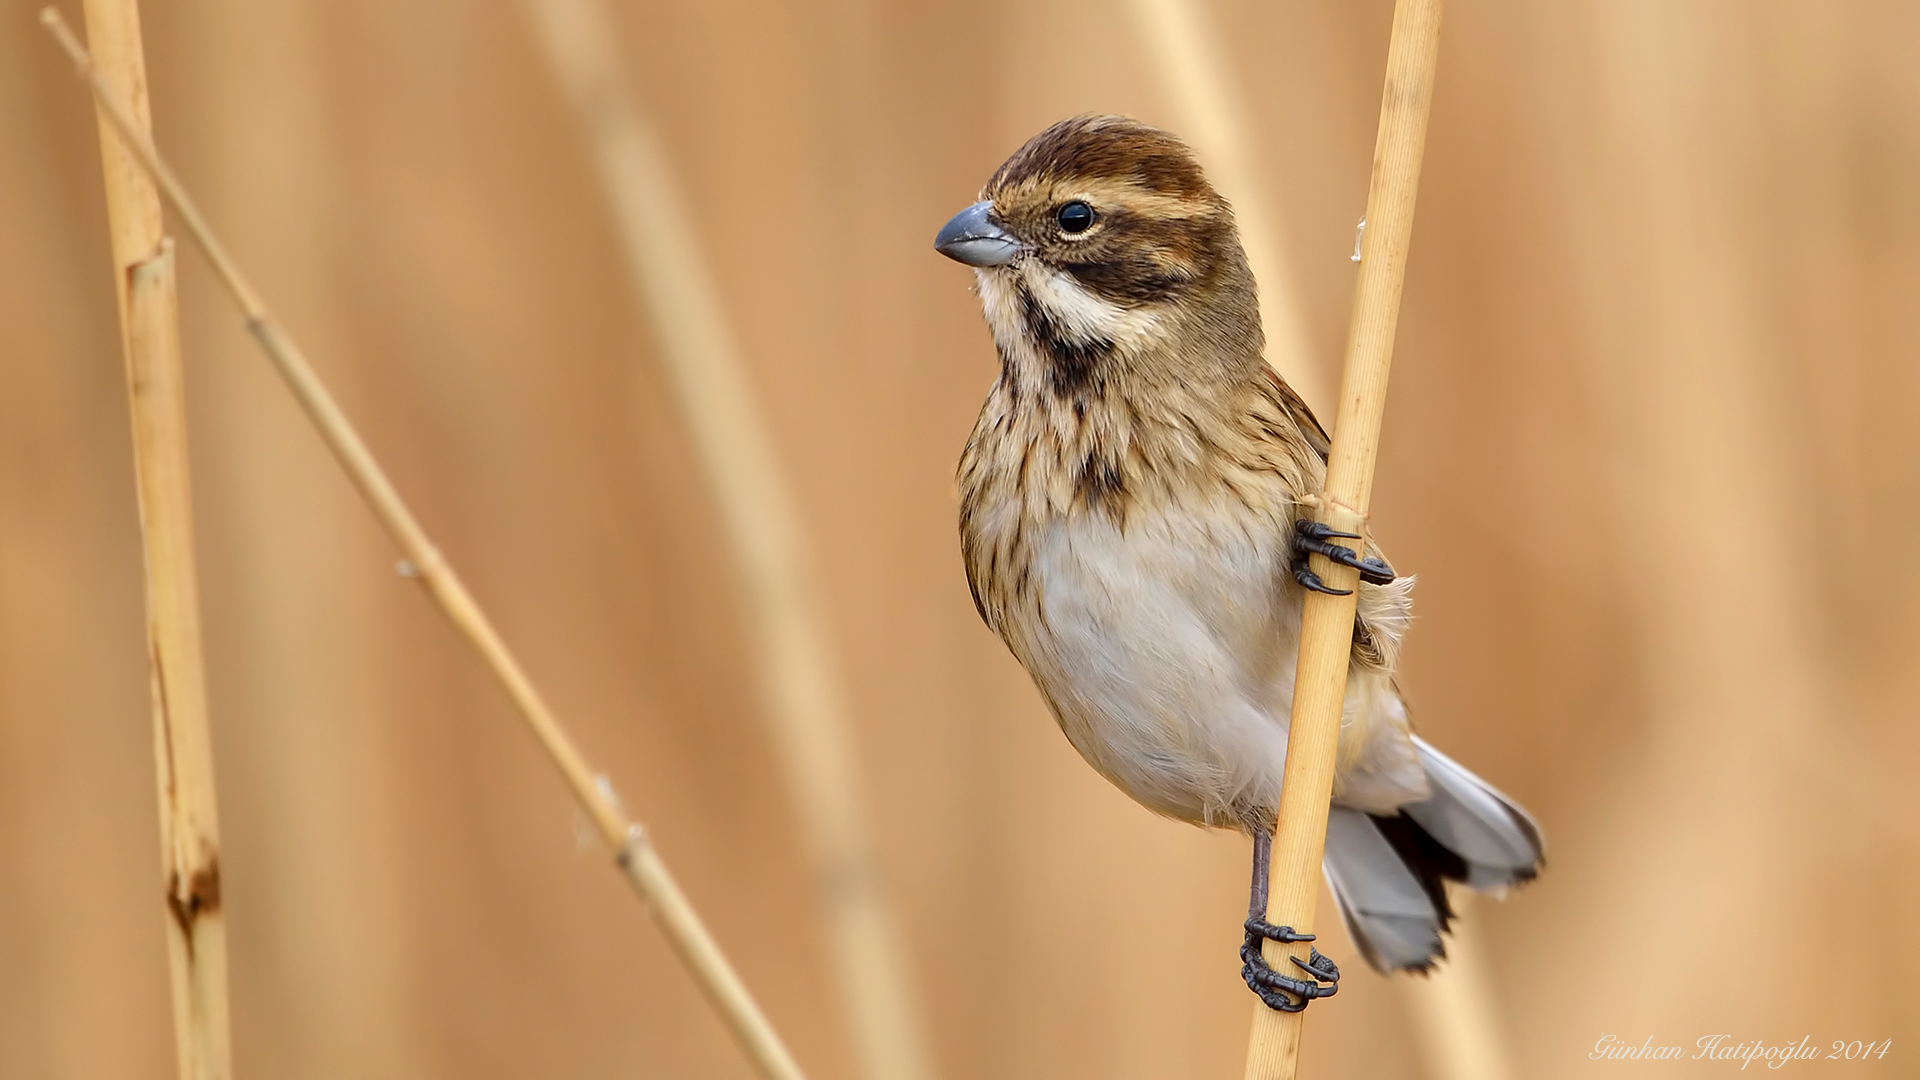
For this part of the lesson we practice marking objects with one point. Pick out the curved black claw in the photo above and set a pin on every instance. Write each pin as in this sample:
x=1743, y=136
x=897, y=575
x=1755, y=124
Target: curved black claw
x=1312, y=580
x=1281, y=992
x=1311, y=538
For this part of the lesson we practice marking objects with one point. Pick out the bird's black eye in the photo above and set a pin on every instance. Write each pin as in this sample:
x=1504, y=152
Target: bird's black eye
x=1075, y=217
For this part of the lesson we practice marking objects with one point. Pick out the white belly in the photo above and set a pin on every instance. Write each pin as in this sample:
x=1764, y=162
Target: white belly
x=1167, y=653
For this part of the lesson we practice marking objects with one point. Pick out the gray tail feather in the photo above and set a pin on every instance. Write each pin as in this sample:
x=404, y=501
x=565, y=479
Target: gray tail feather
x=1389, y=873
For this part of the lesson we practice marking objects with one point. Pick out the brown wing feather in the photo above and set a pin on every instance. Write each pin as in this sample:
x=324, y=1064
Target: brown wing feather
x=1380, y=618
x=1302, y=416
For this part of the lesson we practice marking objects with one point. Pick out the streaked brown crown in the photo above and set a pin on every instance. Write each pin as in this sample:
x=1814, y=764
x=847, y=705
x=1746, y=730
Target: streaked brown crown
x=1160, y=231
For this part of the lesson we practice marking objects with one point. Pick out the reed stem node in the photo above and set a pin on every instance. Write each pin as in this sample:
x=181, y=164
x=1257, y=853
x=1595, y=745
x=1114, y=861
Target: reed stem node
x=642, y=865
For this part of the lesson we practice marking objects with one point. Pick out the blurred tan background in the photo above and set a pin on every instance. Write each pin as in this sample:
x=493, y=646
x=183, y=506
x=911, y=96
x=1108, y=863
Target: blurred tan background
x=1653, y=449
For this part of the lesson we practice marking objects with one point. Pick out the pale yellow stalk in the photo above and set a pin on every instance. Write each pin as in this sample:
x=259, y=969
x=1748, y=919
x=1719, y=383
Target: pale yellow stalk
x=182, y=746
x=802, y=694
x=1326, y=631
x=635, y=852
x=1455, y=1020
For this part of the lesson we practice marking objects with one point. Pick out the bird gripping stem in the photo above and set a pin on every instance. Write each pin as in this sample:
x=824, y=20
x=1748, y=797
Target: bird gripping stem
x=1327, y=621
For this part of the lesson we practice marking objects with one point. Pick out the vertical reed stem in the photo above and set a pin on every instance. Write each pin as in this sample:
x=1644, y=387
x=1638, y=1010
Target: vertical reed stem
x=1455, y=1017
x=634, y=851
x=183, y=749
x=1327, y=625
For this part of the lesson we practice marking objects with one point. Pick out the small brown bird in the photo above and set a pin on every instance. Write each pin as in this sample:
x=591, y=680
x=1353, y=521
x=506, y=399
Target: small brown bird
x=1131, y=516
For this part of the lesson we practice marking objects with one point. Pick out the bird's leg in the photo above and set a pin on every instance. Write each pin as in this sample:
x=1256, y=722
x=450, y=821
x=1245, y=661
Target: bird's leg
x=1311, y=538
x=1282, y=992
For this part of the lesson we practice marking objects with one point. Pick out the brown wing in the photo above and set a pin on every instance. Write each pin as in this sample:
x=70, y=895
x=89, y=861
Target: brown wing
x=1381, y=616
x=1302, y=416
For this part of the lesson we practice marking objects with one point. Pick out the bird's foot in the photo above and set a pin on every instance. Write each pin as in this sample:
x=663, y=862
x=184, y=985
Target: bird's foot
x=1283, y=992
x=1312, y=538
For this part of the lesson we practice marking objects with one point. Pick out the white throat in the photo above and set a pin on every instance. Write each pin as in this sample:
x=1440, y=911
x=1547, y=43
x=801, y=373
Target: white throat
x=1078, y=315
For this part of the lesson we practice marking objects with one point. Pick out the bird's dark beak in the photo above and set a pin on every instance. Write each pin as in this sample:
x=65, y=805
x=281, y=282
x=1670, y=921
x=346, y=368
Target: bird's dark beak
x=972, y=238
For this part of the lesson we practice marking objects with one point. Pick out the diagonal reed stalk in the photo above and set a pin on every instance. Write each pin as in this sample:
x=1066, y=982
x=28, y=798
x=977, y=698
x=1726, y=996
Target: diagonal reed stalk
x=636, y=855
x=1181, y=42
x=1326, y=632
x=182, y=745
x=802, y=695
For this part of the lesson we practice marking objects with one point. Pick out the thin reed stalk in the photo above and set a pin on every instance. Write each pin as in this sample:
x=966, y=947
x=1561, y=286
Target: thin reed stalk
x=1454, y=1017
x=802, y=695
x=1454, y=1008
x=636, y=855
x=1182, y=43
x=182, y=745
x=1326, y=632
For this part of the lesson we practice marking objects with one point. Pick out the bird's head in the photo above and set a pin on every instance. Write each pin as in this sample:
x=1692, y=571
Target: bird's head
x=1099, y=246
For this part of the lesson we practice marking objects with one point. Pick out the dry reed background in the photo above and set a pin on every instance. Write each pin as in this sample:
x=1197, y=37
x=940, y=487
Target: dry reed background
x=1656, y=378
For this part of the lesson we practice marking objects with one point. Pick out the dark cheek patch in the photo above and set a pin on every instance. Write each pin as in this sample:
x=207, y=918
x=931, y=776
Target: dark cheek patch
x=1144, y=260
x=1131, y=279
